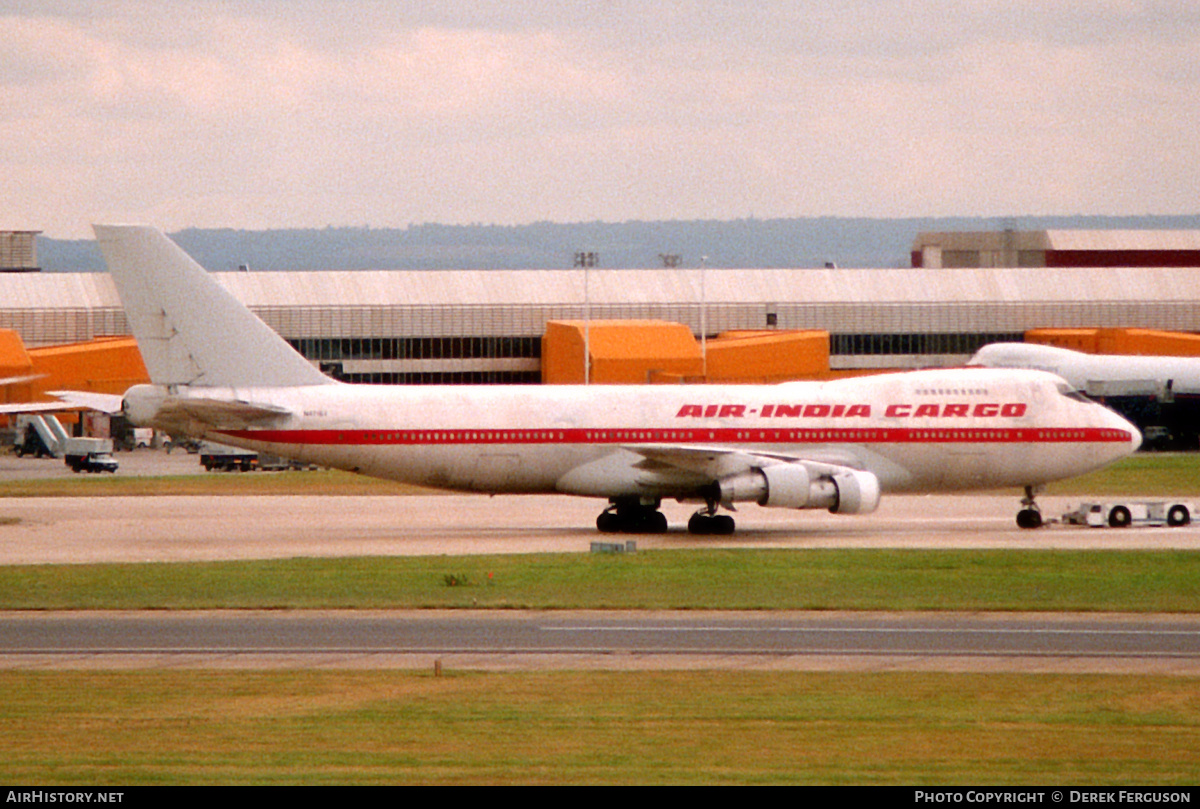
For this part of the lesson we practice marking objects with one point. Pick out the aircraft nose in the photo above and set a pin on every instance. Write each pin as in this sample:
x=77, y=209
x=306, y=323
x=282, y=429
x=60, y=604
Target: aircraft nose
x=1135, y=439
x=1118, y=422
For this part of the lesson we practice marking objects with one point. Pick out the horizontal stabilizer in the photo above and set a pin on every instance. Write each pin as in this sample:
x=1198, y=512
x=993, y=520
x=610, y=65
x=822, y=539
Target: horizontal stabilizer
x=218, y=413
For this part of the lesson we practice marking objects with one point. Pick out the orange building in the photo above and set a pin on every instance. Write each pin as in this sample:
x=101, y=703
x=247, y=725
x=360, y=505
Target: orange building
x=105, y=365
x=660, y=352
x=1145, y=342
x=622, y=352
x=16, y=369
x=768, y=356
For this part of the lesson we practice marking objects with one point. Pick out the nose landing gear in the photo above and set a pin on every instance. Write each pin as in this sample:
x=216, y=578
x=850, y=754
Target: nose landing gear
x=1030, y=516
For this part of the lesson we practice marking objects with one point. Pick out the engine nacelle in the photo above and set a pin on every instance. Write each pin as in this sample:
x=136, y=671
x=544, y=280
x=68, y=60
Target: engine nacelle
x=141, y=404
x=858, y=492
x=790, y=485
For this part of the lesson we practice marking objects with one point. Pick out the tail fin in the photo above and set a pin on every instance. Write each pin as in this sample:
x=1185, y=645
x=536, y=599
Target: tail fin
x=190, y=329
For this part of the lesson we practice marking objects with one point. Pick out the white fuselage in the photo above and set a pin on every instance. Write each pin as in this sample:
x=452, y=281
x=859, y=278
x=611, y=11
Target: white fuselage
x=921, y=431
x=1098, y=374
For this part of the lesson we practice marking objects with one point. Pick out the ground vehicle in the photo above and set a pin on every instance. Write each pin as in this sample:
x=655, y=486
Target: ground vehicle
x=89, y=455
x=1125, y=514
x=227, y=459
x=277, y=463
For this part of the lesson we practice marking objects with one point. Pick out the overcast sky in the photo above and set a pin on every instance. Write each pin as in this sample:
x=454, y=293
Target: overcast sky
x=307, y=113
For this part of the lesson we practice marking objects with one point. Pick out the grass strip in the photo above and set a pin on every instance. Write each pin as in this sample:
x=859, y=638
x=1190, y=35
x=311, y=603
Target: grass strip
x=243, y=484
x=1146, y=474
x=737, y=579
x=710, y=727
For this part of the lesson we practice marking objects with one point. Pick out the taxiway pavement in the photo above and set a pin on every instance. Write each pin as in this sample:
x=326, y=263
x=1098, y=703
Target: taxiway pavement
x=65, y=530
x=507, y=639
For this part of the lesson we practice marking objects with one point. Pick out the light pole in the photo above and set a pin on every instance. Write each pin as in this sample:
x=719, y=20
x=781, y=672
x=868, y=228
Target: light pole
x=703, y=319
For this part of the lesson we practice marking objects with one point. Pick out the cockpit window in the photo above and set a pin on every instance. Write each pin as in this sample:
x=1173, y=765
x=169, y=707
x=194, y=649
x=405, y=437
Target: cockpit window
x=1073, y=393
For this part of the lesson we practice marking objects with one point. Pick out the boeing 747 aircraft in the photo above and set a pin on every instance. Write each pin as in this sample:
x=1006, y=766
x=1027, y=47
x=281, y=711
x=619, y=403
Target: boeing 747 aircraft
x=220, y=373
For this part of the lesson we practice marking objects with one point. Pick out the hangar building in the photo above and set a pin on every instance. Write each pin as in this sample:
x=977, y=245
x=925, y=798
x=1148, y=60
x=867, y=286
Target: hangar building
x=1057, y=248
x=486, y=326
x=18, y=251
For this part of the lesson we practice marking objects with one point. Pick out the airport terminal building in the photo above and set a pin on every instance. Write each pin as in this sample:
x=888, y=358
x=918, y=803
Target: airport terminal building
x=486, y=326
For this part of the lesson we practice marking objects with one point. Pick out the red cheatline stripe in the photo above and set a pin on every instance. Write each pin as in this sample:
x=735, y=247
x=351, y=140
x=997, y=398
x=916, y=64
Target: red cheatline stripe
x=982, y=435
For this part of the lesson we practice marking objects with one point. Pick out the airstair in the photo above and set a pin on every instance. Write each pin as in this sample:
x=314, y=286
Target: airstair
x=49, y=431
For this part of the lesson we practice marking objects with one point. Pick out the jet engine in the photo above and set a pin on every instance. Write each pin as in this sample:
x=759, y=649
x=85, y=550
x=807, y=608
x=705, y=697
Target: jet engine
x=791, y=485
x=142, y=403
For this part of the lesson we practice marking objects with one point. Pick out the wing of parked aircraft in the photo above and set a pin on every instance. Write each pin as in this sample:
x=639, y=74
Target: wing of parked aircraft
x=19, y=380
x=219, y=373
x=17, y=408
x=13, y=408
x=67, y=400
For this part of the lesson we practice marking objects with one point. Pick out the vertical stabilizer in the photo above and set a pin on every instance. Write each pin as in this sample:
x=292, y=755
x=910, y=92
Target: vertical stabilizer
x=190, y=329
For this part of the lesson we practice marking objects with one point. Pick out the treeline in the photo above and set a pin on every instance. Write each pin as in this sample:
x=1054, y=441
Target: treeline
x=743, y=243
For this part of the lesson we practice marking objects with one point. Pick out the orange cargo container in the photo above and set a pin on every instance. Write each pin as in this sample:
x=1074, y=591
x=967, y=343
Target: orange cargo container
x=622, y=352
x=768, y=356
x=1145, y=342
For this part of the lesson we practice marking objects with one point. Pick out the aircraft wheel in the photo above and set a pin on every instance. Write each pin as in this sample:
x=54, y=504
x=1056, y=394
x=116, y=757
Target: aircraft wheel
x=608, y=522
x=640, y=520
x=644, y=521
x=658, y=523
x=1029, y=518
x=1119, y=517
x=1178, y=515
x=703, y=524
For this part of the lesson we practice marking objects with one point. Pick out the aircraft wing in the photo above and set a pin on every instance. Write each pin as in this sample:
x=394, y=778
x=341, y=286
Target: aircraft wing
x=104, y=402
x=830, y=478
x=16, y=408
x=67, y=400
x=720, y=462
x=20, y=380
x=27, y=407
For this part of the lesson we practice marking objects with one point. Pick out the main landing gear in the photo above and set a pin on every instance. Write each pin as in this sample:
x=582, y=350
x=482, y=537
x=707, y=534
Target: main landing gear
x=1030, y=516
x=708, y=522
x=629, y=515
